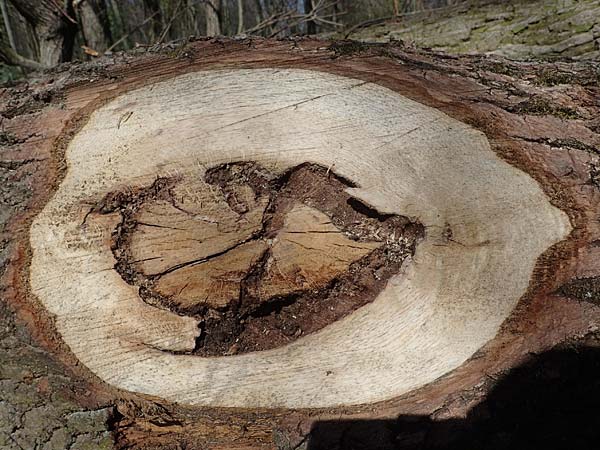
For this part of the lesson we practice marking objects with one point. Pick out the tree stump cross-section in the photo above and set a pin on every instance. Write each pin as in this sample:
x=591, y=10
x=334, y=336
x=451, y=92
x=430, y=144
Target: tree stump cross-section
x=268, y=226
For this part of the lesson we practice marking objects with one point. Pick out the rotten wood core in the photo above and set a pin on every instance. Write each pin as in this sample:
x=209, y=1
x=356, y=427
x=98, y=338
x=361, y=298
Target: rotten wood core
x=260, y=258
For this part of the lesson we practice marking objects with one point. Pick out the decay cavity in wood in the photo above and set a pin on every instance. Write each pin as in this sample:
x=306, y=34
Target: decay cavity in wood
x=261, y=259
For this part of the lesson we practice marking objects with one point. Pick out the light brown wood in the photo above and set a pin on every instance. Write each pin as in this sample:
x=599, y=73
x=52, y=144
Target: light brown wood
x=308, y=252
x=215, y=283
x=167, y=237
x=427, y=321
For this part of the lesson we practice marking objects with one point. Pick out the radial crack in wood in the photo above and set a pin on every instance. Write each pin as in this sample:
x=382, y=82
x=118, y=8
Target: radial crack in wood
x=168, y=237
x=214, y=283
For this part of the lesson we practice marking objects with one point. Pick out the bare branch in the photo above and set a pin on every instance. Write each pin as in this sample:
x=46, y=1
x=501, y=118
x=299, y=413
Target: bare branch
x=12, y=58
x=176, y=14
x=292, y=18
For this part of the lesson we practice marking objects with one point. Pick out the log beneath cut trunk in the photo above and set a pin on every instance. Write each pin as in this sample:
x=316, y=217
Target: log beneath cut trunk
x=271, y=226
x=516, y=29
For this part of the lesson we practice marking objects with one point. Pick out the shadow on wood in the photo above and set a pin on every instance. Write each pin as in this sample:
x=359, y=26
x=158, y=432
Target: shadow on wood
x=550, y=402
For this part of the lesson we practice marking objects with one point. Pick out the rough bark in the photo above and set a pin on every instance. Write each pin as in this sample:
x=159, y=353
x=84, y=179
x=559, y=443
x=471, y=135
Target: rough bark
x=541, y=123
x=520, y=30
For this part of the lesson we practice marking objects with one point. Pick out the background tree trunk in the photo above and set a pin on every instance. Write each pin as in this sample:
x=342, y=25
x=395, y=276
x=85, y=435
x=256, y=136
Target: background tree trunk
x=154, y=7
x=240, y=15
x=54, y=26
x=541, y=120
x=311, y=26
x=8, y=25
x=213, y=20
x=93, y=19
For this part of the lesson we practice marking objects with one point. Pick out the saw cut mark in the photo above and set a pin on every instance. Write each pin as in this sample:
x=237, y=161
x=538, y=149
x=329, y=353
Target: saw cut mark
x=265, y=264
x=486, y=224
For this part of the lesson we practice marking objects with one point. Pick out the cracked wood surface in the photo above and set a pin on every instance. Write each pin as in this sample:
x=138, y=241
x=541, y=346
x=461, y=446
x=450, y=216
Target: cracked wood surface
x=309, y=251
x=169, y=236
x=308, y=246
x=248, y=254
x=559, y=152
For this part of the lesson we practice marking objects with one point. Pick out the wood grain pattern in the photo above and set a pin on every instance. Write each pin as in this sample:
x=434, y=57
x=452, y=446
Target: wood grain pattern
x=308, y=252
x=168, y=236
x=215, y=283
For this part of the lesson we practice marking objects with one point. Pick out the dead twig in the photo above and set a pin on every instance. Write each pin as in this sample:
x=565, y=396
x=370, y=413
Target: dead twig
x=62, y=10
x=10, y=57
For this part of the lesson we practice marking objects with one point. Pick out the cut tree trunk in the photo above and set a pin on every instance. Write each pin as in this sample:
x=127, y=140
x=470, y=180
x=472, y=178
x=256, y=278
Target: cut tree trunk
x=298, y=244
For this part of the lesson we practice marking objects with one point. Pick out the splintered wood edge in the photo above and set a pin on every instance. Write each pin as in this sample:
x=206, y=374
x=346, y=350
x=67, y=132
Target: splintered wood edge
x=486, y=224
